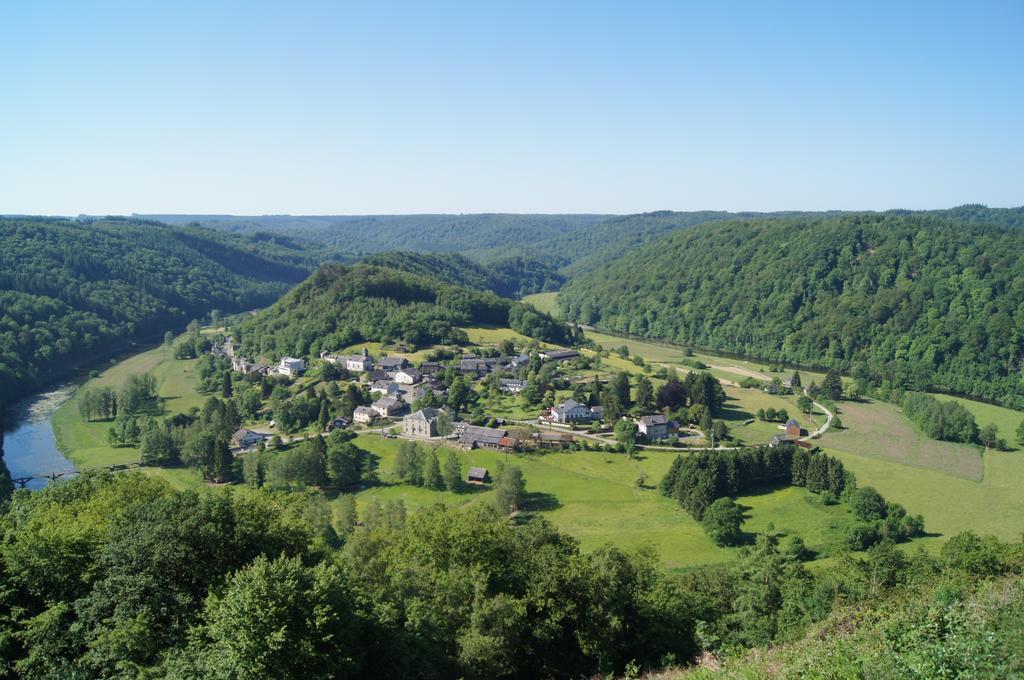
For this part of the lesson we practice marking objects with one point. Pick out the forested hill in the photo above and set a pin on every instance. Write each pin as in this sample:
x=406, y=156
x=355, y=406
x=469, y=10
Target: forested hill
x=924, y=300
x=342, y=305
x=512, y=276
x=485, y=235
x=526, y=249
x=72, y=291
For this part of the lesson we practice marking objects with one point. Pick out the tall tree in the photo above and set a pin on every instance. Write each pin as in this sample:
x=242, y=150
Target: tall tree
x=452, y=472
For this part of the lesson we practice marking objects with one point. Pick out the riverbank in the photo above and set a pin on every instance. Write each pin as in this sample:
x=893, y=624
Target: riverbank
x=85, y=443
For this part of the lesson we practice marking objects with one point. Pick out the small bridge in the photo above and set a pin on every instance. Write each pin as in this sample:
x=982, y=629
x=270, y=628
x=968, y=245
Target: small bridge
x=22, y=482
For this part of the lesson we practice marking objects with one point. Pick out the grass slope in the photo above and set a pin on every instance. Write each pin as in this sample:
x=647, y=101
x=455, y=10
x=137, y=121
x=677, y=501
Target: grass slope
x=883, y=455
x=593, y=497
x=85, y=443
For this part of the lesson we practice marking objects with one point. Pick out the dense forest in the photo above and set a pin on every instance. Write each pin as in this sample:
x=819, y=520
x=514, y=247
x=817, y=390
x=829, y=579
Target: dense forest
x=566, y=244
x=511, y=277
x=119, y=575
x=343, y=305
x=903, y=300
x=482, y=236
x=72, y=291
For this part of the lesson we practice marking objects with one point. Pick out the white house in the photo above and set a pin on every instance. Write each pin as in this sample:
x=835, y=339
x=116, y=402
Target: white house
x=511, y=385
x=385, y=388
x=653, y=427
x=388, y=406
x=423, y=423
x=291, y=366
x=246, y=439
x=408, y=376
x=363, y=414
x=571, y=411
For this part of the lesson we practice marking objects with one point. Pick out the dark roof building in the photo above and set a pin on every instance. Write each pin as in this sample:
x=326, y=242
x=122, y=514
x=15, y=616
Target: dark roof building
x=473, y=436
x=559, y=354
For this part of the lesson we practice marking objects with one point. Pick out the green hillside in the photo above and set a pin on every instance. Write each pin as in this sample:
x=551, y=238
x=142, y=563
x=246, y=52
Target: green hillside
x=71, y=291
x=485, y=235
x=342, y=305
x=912, y=300
x=511, y=276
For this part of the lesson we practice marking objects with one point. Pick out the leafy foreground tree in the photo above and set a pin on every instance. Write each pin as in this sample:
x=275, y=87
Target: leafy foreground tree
x=275, y=619
x=118, y=576
x=722, y=522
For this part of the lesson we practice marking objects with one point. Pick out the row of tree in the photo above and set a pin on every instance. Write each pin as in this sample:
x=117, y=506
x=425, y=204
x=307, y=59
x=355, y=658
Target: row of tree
x=105, y=403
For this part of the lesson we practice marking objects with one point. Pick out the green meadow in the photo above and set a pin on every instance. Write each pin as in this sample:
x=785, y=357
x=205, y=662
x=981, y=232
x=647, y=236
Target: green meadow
x=544, y=302
x=85, y=443
x=956, y=487
x=596, y=498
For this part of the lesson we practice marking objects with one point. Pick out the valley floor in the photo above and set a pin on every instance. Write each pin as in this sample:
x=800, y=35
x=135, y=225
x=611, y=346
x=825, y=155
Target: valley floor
x=609, y=498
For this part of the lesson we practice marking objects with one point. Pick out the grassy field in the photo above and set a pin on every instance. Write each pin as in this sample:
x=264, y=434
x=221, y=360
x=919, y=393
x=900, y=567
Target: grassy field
x=880, y=430
x=492, y=335
x=85, y=443
x=721, y=367
x=593, y=496
x=950, y=484
x=544, y=302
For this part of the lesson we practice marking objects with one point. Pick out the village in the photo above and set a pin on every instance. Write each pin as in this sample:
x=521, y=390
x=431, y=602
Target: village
x=400, y=400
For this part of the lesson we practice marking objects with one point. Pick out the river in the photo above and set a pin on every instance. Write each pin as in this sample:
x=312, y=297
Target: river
x=30, y=447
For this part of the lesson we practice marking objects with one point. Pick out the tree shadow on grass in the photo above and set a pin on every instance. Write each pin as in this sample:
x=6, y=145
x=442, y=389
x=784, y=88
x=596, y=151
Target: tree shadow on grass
x=537, y=501
x=730, y=414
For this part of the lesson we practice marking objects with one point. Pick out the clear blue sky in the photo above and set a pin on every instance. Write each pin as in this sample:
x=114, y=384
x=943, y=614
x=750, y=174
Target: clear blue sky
x=314, y=108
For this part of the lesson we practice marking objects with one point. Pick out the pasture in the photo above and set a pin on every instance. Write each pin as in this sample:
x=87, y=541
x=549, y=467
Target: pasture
x=85, y=443
x=880, y=430
x=544, y=302
x=594, y=497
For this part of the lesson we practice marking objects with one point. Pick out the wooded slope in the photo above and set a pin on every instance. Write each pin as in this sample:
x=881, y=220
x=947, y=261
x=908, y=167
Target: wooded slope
x=923, y=300
x=71, y=291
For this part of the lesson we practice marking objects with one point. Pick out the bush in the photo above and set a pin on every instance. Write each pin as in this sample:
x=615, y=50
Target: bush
x=867, y=504
x=862, y=537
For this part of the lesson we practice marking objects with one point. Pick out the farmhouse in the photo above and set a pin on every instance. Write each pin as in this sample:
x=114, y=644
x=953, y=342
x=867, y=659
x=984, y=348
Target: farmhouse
x=408, y=376
x=779, y=440
x=423, y=423
x=388, y=406
x=385, y=388
x=474, y=436
x=519, y=360
x=291, y=367
x=559, y=355
x=363, y=414
x=511, y=385
x=571, y=411
x=653, y=427
x=793, y=428
x=431, y=367
x=245, y=439
x=552, y=440
x=392, y=363
x=477, y=475
x=241, y=364
x=477, y=365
